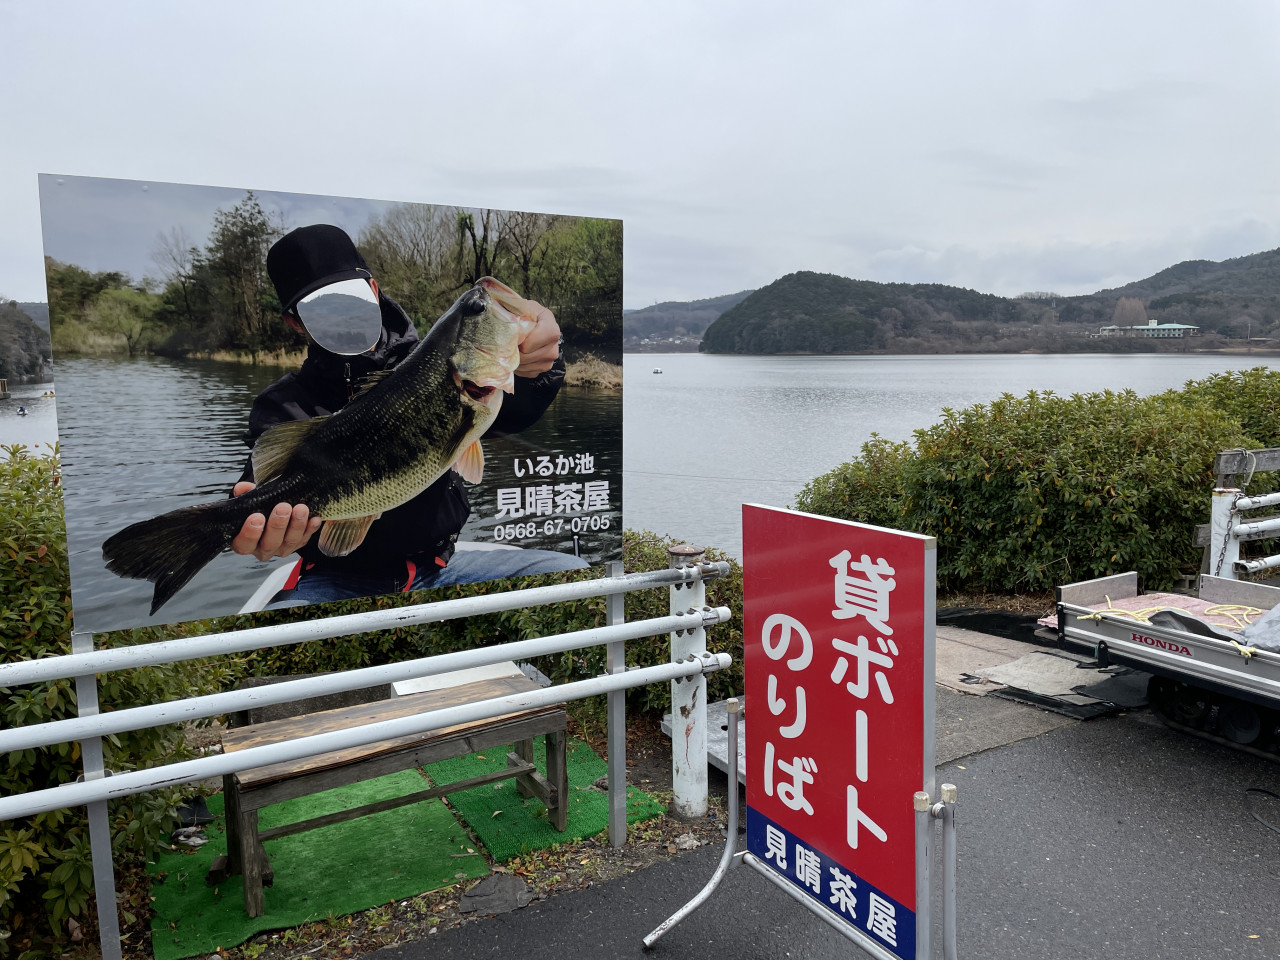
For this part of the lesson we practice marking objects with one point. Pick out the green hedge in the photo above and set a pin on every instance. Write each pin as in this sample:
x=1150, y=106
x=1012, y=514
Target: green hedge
x=1025, y=493
x=46, y=873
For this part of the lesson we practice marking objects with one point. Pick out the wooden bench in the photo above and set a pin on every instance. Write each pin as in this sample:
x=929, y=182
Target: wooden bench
x=247, y=792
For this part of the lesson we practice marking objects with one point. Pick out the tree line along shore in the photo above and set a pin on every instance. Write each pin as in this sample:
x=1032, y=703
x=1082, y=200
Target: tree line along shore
x=216, y=301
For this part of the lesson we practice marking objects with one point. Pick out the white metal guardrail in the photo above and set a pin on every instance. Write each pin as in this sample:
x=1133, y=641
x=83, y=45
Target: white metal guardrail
x=686, y=671
x=1225, y=532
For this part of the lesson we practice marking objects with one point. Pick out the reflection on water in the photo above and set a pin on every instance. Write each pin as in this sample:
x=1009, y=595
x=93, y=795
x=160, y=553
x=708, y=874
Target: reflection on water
x=143, y=437
x=140, y=438
x=712, y=432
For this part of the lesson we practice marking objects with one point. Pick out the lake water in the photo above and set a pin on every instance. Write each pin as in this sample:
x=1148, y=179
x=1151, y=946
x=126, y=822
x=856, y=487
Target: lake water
x=706, y=435
x=39, y=427
x=712, y=432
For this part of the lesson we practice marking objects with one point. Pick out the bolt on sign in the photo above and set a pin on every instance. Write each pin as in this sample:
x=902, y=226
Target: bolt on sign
x=839, y=630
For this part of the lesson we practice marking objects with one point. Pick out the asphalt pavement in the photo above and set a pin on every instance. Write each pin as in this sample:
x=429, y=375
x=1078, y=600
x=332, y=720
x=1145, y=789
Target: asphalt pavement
x=1113, y=837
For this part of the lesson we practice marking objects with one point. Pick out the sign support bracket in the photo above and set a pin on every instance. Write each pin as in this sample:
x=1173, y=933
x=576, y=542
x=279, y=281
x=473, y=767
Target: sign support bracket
x=943, y=810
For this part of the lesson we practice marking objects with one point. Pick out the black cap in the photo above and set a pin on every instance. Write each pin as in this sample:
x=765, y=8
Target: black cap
x=306, y=259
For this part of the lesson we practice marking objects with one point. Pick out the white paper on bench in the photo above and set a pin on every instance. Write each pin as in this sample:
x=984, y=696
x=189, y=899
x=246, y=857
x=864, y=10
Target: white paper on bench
x=442, y=681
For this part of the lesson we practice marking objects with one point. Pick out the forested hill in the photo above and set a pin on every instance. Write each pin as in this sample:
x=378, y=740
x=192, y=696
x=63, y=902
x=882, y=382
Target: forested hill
x=1258, y=274
x=821, y=313
x=806, y=312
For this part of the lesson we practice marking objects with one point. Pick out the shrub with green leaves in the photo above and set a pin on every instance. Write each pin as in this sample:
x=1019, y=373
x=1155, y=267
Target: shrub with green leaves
x=868, y=487
x=45, y=865
x=1025, y=493
x=1252, y=397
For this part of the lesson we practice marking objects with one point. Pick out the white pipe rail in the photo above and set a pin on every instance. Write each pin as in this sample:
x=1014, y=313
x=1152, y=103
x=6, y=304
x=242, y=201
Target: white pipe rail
x=258, y=638
x=1261, y=526
x=216, y=704
x=1253, y=566
x=1253, y=503
x=99, y=785
x=189, y=771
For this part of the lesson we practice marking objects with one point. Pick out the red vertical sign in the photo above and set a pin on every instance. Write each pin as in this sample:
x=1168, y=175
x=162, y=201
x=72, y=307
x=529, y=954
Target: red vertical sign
x=838, y=622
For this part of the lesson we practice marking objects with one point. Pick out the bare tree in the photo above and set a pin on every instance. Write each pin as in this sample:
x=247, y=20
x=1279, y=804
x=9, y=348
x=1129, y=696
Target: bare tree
x=479, y=240
x=408, y=250
x=1129, y=312
x=524, y=239
x=175, y=256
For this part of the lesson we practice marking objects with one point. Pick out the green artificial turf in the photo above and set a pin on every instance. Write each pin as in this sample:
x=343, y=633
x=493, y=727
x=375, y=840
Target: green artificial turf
x=510, y=825
x=339, y=869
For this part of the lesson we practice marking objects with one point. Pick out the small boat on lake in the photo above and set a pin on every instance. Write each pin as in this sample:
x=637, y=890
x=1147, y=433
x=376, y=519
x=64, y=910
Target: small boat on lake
x=657, y=369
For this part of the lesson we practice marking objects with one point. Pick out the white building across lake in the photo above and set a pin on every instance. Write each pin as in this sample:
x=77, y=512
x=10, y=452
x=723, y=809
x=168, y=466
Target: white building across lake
x=1151, y=330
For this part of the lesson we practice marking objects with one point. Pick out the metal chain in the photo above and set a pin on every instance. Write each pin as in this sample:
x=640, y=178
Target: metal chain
x=1231, y=520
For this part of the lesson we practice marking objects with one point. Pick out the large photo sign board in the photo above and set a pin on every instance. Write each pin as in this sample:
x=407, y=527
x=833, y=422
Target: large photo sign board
x=398, y=365
x=839, y=622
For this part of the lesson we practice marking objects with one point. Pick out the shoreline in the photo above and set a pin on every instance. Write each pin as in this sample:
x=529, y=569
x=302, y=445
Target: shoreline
x=672, y=349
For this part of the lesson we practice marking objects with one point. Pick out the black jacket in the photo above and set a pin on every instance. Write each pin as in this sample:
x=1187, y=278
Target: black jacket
x=423, y=530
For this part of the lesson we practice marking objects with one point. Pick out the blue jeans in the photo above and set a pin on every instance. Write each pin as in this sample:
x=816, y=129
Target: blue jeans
x=465, y=566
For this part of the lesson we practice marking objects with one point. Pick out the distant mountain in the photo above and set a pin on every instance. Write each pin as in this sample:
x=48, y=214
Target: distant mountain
x=38, y=312
x=673, y=319
x=809, y=312
x=1256, y=275
x=1232, y=299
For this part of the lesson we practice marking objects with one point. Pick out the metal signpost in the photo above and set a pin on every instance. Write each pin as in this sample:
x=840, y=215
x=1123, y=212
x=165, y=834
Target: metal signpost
x=839, y=627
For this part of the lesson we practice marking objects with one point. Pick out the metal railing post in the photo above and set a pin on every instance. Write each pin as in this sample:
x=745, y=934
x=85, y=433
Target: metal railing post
x=948, y=794
x=1224, y=549
x=616, y=711
x=924, y=875
x=688, y=698
x=104, y=874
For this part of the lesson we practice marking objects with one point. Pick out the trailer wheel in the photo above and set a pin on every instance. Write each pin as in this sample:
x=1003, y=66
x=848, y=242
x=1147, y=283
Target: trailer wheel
x=1179, y=702
x=1239, y=721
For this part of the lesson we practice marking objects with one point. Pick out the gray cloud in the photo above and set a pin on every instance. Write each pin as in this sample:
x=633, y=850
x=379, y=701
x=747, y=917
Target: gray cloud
x=1000, y=146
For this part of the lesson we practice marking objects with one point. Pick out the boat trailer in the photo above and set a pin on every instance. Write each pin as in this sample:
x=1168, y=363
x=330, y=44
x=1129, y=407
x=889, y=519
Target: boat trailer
x=1206, y=678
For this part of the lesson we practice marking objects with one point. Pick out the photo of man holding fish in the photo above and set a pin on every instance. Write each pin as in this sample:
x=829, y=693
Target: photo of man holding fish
x=401, y=455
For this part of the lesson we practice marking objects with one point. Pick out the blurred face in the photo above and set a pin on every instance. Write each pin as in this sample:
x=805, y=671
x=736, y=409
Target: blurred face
x=343, y=317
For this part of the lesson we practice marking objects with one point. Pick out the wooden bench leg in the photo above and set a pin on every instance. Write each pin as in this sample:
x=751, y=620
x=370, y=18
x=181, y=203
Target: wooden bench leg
x=558, y=776
x=524, y=750
x=227, y=864
x=251, y=857
x=231, y=816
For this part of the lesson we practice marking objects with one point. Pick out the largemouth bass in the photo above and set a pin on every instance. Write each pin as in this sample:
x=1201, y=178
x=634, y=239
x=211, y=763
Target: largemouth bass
x=392, y=441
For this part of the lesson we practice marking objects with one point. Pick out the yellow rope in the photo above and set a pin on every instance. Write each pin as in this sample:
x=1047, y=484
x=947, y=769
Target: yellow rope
x=1139, y=615
x=1245, y=652
x=1239, y=614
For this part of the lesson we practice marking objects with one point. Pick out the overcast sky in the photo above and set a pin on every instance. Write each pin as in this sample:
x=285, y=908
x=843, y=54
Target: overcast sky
x=1003, y=146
